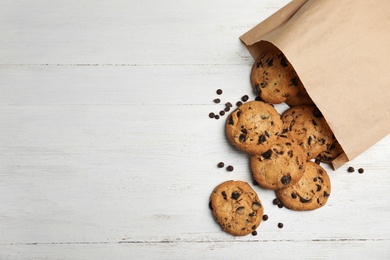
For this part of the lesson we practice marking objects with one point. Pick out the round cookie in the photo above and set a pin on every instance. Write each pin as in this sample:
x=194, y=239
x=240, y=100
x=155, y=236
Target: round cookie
x=331, y=153
x=236, y=207
x=282, y=165
x=310, y=192
x=307, y=126
x=274, y=79
x=253, y=127
x=302, y=98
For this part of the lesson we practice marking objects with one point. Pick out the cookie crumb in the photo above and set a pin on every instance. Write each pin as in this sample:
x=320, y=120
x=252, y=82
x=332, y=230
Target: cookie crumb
x=361, y=170
x=351, y=169
x=265, y=217
x=219, y=91
x=230, y=168
x=280, y=225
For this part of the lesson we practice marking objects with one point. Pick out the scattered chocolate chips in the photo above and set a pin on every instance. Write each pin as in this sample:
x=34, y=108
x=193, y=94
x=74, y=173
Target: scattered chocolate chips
x=280, y=225
x=222, y=113
x=212, y=115
x=219, y=91
x=226, y=109
x=361, y=170
x=276, y=201
x=280, y=205
x=217, y=100
x=239, y=103
x=245, y=98
x=221, y=165
x=230, y=168
x=265, y=217
x=351, y=169
x=254, y=233
x=216, y=117
x=228, y=104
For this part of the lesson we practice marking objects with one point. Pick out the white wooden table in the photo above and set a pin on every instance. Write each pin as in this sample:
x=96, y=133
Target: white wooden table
x=107, y=151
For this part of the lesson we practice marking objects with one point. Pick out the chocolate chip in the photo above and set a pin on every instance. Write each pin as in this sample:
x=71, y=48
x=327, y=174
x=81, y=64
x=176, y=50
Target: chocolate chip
x=262, y=139
x=258, y=98
x=267, y=154
x=285, y=180
x=293, y=195
x=280, y=225
x=226, y=109
x=228, y=104
x=302, y=200
x=212, y=115
x=326, y=194
x=351, y=169
x=216, y=117
x=270, y=62
x=309, y=140
x=210, y=205
x=242, y=138
x=314, y=122
x=245, y=98
x=235, y=195
x=230, y=120
x=254, y=233
x=239, y=103
x=221, y=165
x=283, y=60
x=294, y=81
x=317, y=161
x=317, y=113
x=280, y=205
x=219, y=91
x=238, y=113
x=224, y=195
x=318, y=187
x=240, y=210
x=267, y=134
x=254, y=227
x=361, y=170
x=276, y=201
x=222, y=112
x=230, y=168
x=217, y=100
x=256, y=205
x=265, y=217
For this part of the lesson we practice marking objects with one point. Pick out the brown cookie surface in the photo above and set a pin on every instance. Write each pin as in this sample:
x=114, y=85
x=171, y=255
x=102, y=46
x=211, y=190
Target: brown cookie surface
x=282, y=165
x=236, y=207
x=307, y=126
x=253, y=127
x=310, y=192
x=274, y=79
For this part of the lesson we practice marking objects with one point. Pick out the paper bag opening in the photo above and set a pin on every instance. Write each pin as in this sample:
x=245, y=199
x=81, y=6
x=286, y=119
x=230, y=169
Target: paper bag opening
x=340, y=54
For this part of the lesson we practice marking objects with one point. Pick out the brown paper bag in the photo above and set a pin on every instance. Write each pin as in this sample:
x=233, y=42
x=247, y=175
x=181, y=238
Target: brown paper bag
x=341, y=52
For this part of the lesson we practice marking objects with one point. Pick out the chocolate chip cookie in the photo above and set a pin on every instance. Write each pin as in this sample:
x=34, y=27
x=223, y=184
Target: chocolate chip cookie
x=274, y=79
x=236, y=207
x=310, y=192
x=307, y=126
x=282, y=165
x=253, y=127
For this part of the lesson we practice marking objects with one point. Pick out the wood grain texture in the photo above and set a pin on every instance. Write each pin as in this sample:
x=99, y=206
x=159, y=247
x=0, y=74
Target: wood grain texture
x=107, y=151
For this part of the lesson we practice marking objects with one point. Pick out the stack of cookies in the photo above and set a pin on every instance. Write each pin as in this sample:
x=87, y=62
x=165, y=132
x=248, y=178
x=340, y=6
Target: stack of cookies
x=285, y=150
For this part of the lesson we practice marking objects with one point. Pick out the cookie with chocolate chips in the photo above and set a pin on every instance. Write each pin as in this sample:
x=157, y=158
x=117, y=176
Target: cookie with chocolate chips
x=282, y=165
x=307, y=126
x=253, y=127
x=274, y=79
x=236, y=207
x=310, y=192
